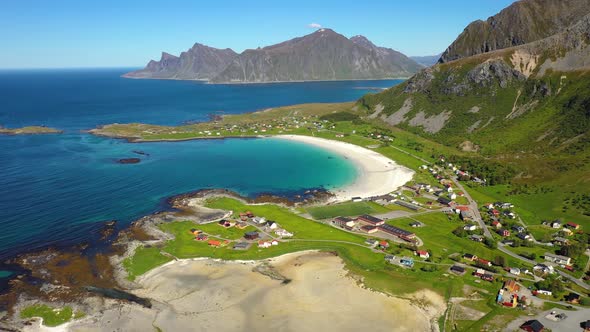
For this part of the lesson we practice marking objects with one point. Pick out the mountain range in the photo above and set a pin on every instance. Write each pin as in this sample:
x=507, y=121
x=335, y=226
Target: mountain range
x=321, y=55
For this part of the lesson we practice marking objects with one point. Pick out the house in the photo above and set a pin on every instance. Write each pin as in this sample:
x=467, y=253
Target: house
x=251, y=235
x=241, y=245
x=283, y=233
x=543, y=292
x=487, y=277
x=484, y=262
x=241, y=225
x=543, y=269
x=383, y=244
x=407, y=261
x=422, y=254
x=416, y=224
x=470, y=257
x=586, y=326
x=272, y=225
x=561, y=241
x=470, y=227
x=401, y=233
x=496, y=224
x=453, y=196
x=357, y=199
x=572, y=225
x=410, y=206
x=476, y=238
x=249, y=214
x=466, y=215
x=479, y=272
x=214, y=243
x=503, y=232
x=369, y=229
x=556, y=224
x=508, y=242
x=495, y=213
x=572, y=298
x=371, y=242
x=518, y=228
x=259, y=220
x=457, y=269
x=264, y=244
x=226, y=223
x=532, y=326
x=443, y=201
x=511, y=286
x=201, y=237
x=342, y=221
x=557, y=259
x=524, y=237
x=370, y=220
x=514, y=270
x=196, y=231
x=566, y=231
x=390, y=259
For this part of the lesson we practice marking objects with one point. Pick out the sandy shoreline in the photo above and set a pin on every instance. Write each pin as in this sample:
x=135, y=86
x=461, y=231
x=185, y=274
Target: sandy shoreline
x=378, y=175
x=214, y=295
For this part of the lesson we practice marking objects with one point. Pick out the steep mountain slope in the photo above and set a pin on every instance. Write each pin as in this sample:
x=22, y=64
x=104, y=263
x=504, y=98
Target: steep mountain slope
x=534, y=97
x=522, y=22
x=322, y=55
x=198, y=63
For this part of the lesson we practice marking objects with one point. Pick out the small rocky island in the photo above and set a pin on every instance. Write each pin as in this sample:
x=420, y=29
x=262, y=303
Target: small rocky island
x=129, y=161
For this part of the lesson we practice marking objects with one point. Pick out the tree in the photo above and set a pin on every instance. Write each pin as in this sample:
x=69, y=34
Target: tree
x=490, y=243
x=500, y=261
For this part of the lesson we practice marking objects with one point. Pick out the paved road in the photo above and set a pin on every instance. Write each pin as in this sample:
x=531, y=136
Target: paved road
x=473, y=206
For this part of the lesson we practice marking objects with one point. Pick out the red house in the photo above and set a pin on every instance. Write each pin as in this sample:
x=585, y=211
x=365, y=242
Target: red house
x=484, y=262
x=504, y=232
x=532, y=326
x=572, y=225
x=214, y=243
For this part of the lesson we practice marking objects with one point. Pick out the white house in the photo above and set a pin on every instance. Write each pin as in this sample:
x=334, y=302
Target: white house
x=283, y=232
x=470, y=227
x=272, y=225
x=259, y=220
x=453, y=196
x=515, y=271
x=264, y=244
x=558, y=259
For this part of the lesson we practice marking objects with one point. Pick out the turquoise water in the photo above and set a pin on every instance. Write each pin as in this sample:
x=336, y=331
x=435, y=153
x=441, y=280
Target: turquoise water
x=57, y=189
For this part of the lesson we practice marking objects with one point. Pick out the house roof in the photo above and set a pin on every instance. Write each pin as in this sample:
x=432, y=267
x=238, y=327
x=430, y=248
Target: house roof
x=457, y=268
x=571, y=224
x=422, y=252
x=214, y=242
x=370, y=218
x=534, y=325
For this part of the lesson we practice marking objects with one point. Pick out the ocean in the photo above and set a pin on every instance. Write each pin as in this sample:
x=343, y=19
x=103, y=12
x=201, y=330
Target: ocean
x=59, y=189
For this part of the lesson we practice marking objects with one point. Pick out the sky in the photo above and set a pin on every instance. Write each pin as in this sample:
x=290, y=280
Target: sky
x=128, y=33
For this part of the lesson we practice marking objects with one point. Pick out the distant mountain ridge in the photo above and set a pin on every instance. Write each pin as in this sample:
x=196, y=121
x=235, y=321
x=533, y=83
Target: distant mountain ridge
x=322, y=55
x=426, y=60
x=522, y=22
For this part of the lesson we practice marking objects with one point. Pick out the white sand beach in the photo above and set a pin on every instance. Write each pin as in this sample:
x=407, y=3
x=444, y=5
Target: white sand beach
x=208, y=295
x=378, y=175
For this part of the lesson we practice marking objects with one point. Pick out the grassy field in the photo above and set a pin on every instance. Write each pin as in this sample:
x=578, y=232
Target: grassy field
x=345, y=209
x=51, y=316
x=437, y=236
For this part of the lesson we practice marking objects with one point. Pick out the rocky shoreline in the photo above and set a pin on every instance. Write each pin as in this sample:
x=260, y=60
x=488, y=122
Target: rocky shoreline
x=71, y=276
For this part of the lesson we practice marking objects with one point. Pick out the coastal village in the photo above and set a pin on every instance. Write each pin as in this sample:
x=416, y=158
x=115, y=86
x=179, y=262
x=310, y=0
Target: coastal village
x=429, y=228
x=517, y=271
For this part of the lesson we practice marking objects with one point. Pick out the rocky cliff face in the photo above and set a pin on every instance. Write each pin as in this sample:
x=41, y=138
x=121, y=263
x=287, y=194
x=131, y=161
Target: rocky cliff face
x=198, y=63
x=322, y=55
x=523, y=22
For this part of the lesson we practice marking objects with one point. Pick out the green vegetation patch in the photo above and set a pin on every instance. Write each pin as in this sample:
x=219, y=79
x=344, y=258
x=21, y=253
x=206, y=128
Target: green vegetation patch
x=345, y=209
x=51, y=316
x=143, y=260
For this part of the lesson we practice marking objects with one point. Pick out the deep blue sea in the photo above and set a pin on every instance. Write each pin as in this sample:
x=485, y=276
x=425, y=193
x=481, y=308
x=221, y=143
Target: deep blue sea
x=57, y=189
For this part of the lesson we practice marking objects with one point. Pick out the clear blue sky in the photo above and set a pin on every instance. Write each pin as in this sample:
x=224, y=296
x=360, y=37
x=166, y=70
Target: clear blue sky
x=116, y=33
